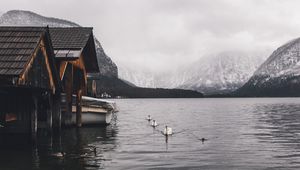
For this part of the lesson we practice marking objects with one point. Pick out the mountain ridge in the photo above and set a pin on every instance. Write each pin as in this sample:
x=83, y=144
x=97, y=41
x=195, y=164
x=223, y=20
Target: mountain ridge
x=278, y=76
x=212, y=74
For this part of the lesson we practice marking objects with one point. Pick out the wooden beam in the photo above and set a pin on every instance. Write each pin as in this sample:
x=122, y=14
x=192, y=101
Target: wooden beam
x=49, y=113
x=62, y=69
x=34, y=109
x=94, y=88
x=78, y=108
x=24, y=74
x=80, y=65
x=4, y=101
x=57, y=112
x=44, y=51
x=68, y=85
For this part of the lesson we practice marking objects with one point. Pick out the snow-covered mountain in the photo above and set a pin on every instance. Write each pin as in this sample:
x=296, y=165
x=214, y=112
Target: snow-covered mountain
x=27, y=18
x=139, y=77
x=279, y=75
x=224, y=72
x=218, y=73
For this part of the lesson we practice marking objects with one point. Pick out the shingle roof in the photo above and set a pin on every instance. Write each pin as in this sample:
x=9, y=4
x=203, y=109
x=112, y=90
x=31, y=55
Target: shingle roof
x=16, y=46
x=71, y=42
x=70, y=37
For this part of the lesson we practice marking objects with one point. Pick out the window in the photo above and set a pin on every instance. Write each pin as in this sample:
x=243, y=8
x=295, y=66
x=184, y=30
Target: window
x=10, y=117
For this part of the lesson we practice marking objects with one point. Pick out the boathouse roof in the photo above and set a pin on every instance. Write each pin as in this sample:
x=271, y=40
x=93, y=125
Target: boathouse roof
x=19, y=48
x=70, y=43
x=16, y=47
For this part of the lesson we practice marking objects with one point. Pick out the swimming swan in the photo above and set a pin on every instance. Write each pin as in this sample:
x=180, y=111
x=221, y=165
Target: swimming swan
x=203, y=140
x=167, y=131
x=59, y=154
x=154, y=123
x=148, y=118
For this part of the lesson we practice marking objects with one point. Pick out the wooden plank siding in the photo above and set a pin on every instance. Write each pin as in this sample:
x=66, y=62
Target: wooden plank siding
x=17, y=105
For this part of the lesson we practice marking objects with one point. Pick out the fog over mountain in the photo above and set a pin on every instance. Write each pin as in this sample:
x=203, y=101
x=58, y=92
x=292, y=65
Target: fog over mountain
x=217, y=73
x=162, y=34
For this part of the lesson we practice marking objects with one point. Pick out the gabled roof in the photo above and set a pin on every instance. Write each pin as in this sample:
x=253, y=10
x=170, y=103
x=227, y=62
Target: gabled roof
x=68, y=38
x=16, y=47
x=70, y=42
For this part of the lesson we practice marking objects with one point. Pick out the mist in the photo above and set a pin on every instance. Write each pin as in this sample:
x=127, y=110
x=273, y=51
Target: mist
x=166, y=34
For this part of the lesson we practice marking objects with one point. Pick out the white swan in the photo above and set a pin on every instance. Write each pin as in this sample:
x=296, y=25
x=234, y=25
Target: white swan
x=154, y=123
x=148, y=118
x=59, y=154
x=167, y=131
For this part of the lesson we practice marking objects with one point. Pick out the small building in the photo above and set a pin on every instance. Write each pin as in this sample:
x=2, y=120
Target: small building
x=75, y=57
x=43, y=76
x=29, y=82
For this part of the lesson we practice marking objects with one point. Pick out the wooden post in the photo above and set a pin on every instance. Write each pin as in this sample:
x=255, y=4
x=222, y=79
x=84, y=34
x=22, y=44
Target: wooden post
x=78, y=108
x=67, y=117
x=49, y=114
x=94, y=88
x=3, y=110
x=57, y=112
x=34, y=117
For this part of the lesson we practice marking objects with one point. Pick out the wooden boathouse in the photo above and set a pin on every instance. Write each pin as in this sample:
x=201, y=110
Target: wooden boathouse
x=41, y=69
x=75, y=56
x=29, y=81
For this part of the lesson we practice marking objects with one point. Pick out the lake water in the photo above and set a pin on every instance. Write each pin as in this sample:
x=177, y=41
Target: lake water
x=242, y=133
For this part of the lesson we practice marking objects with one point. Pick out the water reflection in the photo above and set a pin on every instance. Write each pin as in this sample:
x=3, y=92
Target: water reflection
x=279, y=121
x=242, y=134
x=279, y=125
x=71, y=149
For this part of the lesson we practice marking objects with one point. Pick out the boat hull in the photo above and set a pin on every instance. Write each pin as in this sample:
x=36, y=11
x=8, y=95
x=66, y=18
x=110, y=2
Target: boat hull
x=93, y=116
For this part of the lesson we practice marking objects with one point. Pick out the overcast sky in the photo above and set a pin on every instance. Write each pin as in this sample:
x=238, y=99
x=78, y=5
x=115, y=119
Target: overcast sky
x=160, y=34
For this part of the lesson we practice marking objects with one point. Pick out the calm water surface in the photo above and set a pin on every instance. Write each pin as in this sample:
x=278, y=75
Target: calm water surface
x=242, y=134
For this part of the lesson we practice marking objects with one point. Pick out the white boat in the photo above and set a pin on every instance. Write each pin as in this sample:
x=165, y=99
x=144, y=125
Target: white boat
x=95, y=111
x=93, y=115
x=109, y=105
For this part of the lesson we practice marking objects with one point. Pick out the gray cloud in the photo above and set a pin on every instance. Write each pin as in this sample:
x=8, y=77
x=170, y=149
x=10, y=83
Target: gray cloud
x=163, y=34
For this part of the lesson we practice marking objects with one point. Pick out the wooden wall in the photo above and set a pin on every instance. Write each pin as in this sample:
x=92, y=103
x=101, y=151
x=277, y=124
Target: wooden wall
x=15, y=112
